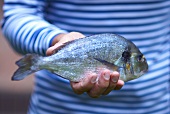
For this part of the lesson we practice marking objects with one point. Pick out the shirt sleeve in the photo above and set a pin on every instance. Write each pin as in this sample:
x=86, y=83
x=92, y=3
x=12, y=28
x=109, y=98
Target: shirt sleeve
x=25, y=27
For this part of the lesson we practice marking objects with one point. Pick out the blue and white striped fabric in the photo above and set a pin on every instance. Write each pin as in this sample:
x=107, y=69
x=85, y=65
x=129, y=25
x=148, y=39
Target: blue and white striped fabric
x=30, y=26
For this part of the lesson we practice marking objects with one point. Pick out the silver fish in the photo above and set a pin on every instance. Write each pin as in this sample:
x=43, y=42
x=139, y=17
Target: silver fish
x=74, y=59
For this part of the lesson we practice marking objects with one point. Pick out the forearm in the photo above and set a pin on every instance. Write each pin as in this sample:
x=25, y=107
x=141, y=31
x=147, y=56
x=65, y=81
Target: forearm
x=25, y=28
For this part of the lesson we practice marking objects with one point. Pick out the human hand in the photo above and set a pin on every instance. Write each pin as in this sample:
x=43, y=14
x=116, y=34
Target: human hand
x=63, y=38
x=106, y=82
x=94, y=85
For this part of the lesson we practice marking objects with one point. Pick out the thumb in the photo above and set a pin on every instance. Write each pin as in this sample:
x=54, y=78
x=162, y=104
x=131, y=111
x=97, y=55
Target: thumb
x=51, y=50
x=65, y=38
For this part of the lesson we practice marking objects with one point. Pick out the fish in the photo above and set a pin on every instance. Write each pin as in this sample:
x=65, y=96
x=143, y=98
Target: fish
x=74, y=59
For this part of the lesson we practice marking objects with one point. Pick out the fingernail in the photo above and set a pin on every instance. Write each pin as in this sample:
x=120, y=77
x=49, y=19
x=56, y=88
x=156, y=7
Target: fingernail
x=106, y=76
x=114, y=80
x=94, y=79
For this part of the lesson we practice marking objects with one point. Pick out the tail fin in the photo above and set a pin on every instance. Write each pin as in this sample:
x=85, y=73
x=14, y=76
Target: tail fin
x=27, y=65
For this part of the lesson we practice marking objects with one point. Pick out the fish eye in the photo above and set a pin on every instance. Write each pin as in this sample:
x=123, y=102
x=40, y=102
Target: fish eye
x=141, y=58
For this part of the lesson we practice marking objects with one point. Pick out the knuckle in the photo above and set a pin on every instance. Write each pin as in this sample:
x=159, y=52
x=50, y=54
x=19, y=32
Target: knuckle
x=73, y=32
x=76, y=89
x=112, y=86
x=117, y=87
x=105, y=93
x=78, y=92
x=81, y=86
x=108, y=90
x=102, y=86
x=73, y=86
x=93, y=95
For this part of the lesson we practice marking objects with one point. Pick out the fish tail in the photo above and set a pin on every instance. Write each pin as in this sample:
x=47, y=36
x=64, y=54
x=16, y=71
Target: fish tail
x=27, y=65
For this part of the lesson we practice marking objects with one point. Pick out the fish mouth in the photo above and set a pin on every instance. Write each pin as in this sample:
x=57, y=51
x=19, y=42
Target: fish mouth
x=141, y=73
x=128, y=67
x=144, y=71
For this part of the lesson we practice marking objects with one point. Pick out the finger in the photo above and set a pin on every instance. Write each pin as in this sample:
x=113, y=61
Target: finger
x=114, y=77
x=75, y=35
x=119, y=85
x=85, y=85
x=101, y=85
x=51, y=50
x=64, y=38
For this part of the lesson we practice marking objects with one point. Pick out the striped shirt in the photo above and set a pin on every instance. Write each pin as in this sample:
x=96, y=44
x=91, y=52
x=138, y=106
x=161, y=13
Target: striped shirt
x=31, y=25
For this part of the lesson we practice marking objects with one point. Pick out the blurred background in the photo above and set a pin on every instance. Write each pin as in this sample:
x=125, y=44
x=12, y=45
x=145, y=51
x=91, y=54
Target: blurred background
x=14, y=95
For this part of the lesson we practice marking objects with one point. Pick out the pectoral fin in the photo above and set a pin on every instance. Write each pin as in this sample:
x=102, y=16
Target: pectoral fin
x=108, y=64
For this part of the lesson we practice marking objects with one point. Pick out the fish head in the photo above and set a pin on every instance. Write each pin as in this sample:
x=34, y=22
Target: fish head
x=139, y=64
x=132, y=65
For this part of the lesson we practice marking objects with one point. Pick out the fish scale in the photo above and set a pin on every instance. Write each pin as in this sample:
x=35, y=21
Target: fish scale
x=74, y=59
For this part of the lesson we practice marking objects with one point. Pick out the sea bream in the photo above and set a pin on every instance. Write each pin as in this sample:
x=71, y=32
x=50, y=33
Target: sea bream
x=74, y=59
